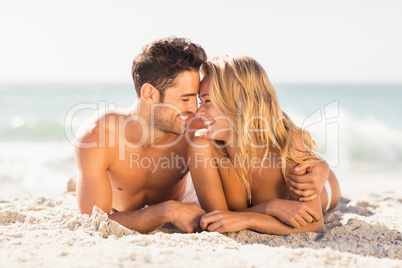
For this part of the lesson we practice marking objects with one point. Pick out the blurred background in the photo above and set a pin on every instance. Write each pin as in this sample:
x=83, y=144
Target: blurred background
x=336, y=67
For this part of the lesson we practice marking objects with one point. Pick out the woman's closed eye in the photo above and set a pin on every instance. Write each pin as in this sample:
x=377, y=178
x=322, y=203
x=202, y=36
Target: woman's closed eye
x=204, y=101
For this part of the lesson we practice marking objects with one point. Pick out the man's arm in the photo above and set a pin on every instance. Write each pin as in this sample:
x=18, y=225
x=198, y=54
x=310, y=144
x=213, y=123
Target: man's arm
x=186, y=217
x=310, y=184
x=93, y=185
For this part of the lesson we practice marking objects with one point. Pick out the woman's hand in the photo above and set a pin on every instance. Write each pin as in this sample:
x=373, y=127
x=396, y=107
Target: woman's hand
x=293, y=213
x=224, y=221
x=309, y=185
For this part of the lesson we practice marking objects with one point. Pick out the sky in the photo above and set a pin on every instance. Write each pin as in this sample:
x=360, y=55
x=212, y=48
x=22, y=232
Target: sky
x=296, y=41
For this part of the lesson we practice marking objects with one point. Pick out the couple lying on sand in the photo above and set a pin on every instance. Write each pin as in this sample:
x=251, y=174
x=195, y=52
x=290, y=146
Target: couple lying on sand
x=253, y=168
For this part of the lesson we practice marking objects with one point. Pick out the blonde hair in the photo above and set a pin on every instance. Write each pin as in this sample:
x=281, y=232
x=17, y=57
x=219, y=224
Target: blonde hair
x=240, y=91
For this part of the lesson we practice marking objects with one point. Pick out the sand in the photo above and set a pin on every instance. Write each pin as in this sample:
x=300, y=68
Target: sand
x=38, y=230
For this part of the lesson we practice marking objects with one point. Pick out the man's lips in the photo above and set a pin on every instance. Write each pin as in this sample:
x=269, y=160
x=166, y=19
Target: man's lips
x=184, y=118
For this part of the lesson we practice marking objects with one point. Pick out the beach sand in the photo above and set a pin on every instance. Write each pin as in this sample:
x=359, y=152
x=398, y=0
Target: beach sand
x=38, y=230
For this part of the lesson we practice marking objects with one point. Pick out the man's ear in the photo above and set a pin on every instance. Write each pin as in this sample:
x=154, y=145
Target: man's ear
x=149, y=93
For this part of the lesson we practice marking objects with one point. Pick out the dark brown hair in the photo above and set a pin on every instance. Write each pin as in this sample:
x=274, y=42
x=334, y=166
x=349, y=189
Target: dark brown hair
x=163, y=60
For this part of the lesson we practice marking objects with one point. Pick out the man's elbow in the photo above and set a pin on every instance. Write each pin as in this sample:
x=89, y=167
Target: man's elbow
x=86, y=201
x=85, y=210
x=86, y=206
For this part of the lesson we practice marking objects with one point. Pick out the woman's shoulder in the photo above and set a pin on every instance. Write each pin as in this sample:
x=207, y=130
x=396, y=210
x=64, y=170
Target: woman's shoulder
x=201, y=144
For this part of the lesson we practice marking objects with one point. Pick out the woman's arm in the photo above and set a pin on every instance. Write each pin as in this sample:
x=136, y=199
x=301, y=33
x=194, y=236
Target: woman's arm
x=211, y=195
x=205, y=174
x=285, y=216
x=293, y=213
x=228, y=221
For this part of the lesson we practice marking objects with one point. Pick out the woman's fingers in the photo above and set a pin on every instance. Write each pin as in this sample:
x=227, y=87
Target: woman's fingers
x=293, y=223
x=307, y=217
x=206, y=220
x=215, y=225
x=305, y=214
x=301, y=221
x=209, y=218
x=313, y=213
x=221, y=229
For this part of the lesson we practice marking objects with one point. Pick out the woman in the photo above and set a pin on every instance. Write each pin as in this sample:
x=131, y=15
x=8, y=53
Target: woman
x=238, y=170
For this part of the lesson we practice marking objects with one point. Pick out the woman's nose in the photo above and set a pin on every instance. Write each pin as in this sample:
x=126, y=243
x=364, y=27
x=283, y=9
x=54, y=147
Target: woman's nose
x=201, y=111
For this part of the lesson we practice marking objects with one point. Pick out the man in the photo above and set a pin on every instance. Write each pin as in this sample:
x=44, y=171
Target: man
x=134, y=161
x=122, y=174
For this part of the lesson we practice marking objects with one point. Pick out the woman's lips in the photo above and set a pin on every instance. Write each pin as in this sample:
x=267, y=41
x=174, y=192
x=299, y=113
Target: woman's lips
x=209, y=123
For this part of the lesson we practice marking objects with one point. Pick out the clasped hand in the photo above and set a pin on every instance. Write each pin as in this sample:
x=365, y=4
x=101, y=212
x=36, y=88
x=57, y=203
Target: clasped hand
x=309, y=185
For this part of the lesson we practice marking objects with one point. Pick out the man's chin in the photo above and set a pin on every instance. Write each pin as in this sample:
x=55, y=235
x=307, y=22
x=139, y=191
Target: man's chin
x=182, y=132
x=176, y=132
x=177, y=128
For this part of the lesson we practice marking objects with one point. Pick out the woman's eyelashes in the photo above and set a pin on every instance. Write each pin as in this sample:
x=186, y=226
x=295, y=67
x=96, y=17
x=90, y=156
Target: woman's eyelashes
x=204, y=101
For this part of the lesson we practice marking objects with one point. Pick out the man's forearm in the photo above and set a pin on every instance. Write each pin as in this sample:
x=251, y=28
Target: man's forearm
x=146, y=219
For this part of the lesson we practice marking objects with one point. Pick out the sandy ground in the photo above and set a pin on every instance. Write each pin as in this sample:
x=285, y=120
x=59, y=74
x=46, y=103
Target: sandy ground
x=38, y=230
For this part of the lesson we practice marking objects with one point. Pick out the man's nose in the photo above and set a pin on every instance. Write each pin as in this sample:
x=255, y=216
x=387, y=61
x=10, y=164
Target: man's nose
x=192, y=106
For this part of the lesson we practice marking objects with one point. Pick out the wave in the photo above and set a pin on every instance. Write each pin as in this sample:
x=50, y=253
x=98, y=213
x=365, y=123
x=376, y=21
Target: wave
x=32, y=130
x=355, y=146
x=340, y=136
x=36, y=166
x=40, y=130
x=35, y=155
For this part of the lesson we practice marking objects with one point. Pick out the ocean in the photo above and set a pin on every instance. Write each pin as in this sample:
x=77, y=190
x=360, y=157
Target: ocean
x=357, y=127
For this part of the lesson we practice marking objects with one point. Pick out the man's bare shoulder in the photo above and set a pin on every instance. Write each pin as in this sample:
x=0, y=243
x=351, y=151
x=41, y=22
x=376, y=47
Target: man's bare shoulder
x=100, y=126
x=95, y=141
x=99, y=133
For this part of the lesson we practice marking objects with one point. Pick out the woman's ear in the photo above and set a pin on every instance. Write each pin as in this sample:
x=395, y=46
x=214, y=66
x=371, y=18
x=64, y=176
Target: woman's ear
x=149, y=93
